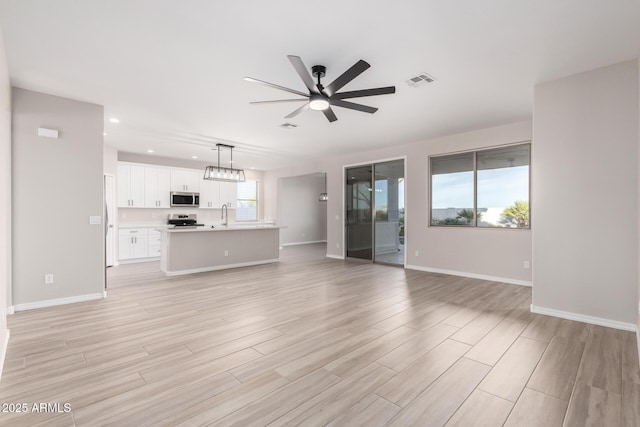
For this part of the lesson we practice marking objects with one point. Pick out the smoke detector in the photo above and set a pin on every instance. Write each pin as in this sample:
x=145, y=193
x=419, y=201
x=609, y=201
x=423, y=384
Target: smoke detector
x=420, y=80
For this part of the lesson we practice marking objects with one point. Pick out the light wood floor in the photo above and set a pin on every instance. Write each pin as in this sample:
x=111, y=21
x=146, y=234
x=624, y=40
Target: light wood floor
x=313, y=341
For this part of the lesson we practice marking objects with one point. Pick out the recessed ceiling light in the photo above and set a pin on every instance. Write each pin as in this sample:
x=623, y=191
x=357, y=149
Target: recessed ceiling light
x=252, y=167
x=149, y=150
x=114, y=120
x=104, y=134
x=194, y=157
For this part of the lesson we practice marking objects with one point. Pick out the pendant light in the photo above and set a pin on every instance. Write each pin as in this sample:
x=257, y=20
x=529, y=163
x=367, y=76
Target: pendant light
x=324, y=196
x=224, y=173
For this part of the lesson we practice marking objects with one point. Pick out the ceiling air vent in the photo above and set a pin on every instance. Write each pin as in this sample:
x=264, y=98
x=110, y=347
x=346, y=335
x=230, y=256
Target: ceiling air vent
x=420, y=80
x=288, y=126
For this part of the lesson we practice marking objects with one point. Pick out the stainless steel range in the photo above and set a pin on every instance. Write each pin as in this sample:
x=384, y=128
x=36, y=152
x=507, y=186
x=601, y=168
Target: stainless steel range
x=184, y=221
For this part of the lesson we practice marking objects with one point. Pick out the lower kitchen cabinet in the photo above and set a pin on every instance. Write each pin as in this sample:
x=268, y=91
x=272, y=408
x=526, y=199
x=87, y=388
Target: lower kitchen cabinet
x=138, y=243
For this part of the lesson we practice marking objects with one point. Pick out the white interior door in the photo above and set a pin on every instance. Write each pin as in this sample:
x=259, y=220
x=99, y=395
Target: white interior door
x=110, y=204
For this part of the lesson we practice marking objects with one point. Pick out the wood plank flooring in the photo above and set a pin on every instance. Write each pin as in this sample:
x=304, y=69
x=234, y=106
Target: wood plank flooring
x=313, y=341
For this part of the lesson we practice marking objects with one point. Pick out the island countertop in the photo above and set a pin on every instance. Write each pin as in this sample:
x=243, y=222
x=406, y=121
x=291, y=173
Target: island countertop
x=233, y=227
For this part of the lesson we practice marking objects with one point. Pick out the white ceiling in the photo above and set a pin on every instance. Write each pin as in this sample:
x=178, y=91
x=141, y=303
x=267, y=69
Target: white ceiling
x=172, y=72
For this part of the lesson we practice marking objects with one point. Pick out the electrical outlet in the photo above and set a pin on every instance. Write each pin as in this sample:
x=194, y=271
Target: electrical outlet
x=417, y=253
x=525, y=264
x=337, y=217
x=226, y=252
x=304, y=235
x=338, y=245
x=48, y=279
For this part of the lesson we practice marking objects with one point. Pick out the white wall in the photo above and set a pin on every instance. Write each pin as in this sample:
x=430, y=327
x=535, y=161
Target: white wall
x=5, y=200
x=300, y=209
x=57, y=185
x=585, y=195
x=483, y=252
x=110, y=161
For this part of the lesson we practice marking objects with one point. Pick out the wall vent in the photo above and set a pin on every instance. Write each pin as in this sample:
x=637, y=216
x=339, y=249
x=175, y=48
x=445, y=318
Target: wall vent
x=420, y=80
x=288, y=126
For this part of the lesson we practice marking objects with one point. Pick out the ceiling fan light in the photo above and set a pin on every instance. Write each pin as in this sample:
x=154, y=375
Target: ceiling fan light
x=318, y=103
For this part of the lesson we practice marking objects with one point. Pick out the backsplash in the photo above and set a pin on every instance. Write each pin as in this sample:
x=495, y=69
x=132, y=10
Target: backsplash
x=159, y=216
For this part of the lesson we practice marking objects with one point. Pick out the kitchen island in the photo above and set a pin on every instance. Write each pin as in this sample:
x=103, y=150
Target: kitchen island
x=195, y=250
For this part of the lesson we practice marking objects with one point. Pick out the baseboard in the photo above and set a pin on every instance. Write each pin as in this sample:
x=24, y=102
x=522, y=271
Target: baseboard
x=584, y=318
x=220, y=267
x=340, y=257
x=3, y=351
x=58, y=301
x=137, y=260
x=304, y=243
x=470, y=275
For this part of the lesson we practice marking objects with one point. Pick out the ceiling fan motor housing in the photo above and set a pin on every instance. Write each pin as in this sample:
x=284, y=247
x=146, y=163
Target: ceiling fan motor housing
x=319, y=71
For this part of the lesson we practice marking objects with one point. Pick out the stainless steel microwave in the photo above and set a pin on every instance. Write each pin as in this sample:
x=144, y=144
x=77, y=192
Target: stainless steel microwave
x=179, y=198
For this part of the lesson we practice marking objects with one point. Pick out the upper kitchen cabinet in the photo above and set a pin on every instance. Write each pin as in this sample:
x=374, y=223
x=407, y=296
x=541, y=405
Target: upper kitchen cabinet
x=185, y=180
x=131, y=191
x=214, y=194
x=228, y=194
x=209, y=194
x=157, y=187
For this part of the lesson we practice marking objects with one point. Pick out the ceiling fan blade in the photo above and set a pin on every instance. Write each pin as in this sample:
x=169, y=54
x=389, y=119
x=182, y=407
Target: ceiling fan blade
x=286, y=89
x=353, y=72
x=365, y=92
x=353, y=106
x=303, y=72
x=297, y=111
x=277, y=101
x=330, y=115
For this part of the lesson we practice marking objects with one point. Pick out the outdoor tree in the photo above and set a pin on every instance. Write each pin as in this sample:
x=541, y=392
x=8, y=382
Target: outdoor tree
x=519, y=212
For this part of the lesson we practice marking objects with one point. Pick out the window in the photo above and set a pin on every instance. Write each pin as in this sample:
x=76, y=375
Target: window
x=247, y=201
x=488, y=188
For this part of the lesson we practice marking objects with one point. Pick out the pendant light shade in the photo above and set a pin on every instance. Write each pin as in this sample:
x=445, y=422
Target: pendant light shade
x=224, y=173
x=324, y=196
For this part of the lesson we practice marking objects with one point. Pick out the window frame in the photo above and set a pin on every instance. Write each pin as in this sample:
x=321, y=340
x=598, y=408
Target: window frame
x=238, y=200
x=475, y=152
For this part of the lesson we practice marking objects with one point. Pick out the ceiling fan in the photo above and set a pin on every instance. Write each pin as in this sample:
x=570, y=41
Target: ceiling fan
x=322, y=98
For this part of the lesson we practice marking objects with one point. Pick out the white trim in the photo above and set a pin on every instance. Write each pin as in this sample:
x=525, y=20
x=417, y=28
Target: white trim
x=340, y=257
x=471, y=275
x=220, y=267
x=57, y=301
x=104, y=293
x=3, y=350
x=304, y=243
x=584, y=318
x=10, y=310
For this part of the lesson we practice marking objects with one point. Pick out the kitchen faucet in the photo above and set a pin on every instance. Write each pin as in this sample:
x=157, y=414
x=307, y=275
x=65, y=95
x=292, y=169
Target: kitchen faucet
x=225, y=218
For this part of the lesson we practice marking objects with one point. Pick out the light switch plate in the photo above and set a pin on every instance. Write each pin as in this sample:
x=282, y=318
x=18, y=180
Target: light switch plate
x=95, y=220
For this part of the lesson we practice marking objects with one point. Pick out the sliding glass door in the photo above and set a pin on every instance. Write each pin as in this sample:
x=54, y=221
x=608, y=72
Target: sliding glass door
x=359, y=207
x=389, y=215
x=375, y=212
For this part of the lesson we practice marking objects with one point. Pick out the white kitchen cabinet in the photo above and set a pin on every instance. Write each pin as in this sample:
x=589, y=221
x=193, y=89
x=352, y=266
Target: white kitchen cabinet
x=185, y=180
x=214, y=194
x=133, y=243
x=131, y=186
x=157, y=187
x=229, y=194
x=210, y=194
x=153, y=243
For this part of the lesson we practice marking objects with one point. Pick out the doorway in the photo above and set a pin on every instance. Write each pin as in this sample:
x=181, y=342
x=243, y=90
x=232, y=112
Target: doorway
x=374, y=204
